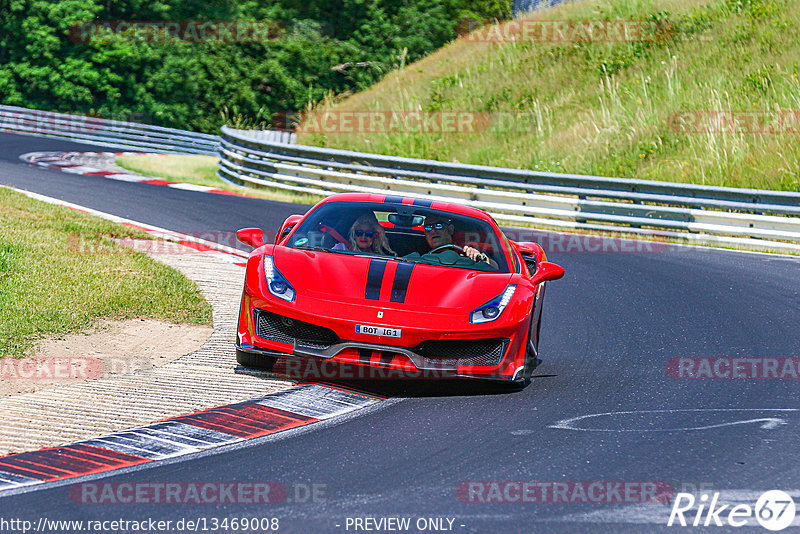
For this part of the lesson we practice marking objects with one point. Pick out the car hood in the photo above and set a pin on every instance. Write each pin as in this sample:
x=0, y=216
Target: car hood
x=386, y=282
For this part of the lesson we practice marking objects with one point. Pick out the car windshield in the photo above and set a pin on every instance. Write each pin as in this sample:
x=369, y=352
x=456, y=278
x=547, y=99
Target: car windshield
x=405, y=232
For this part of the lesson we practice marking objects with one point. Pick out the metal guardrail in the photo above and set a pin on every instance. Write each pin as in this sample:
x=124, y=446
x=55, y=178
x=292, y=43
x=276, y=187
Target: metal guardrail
x=120, y=134
x=270, y=136
x=757, y=219
x=105, y=132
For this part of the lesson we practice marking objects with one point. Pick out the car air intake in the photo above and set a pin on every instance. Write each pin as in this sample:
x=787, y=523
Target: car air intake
x=287, y=330
x=463, y=351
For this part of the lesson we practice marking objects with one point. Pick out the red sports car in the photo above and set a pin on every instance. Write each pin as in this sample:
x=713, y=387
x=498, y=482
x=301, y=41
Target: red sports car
x=412, y=286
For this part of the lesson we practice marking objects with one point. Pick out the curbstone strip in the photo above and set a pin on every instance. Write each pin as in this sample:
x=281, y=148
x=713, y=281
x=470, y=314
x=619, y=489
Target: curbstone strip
x=115, y=408
x=110, y=407
x=87, y=409
x=182, y=435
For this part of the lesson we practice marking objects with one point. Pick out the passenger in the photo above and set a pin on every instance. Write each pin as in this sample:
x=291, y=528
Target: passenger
x=439, y=232
x=367, y=235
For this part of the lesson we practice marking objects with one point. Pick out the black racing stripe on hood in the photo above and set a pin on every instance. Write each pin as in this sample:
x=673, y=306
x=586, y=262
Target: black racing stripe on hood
x=393, y=199
x=400, y=284
x=374, y=277
x=423, y=202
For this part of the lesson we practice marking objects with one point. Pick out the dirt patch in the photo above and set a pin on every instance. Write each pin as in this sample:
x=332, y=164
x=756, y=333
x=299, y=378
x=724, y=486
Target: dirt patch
x=112, y=348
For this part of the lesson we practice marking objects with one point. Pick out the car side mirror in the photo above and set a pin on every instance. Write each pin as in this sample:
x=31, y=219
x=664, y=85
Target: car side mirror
x=530, y=261
x=283, y=233
x=547, y=271
x=290, y=222
x=253, y=237
x=531, y=253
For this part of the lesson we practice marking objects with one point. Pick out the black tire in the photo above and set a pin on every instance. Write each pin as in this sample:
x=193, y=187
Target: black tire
x=532, y=340
x=531, y=356
x=254, y=360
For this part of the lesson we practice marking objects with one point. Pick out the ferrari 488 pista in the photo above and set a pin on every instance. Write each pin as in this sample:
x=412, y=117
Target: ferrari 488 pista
x=398, y=283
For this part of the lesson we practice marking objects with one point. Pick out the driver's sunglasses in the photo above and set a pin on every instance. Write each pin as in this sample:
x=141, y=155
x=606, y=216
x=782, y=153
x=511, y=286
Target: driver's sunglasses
x=364, y=233
x=437, y=226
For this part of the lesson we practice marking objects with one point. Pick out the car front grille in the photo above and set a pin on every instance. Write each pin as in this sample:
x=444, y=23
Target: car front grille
x=286, y=330
x=435, y=353
x=463, y=351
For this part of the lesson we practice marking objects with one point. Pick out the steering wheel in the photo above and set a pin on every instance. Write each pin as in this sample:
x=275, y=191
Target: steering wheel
x=450, y=246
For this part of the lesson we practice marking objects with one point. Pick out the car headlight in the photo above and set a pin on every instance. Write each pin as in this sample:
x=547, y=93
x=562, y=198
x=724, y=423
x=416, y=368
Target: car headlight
x=277, y=284
x=492, y=309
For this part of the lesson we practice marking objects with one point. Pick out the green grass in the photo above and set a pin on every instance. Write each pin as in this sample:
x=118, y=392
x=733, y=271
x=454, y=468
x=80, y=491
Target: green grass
x=61, y=270
x=609, y=108
x=202, y=170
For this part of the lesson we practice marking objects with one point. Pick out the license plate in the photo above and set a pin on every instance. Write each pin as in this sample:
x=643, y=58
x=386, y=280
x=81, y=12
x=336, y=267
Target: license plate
x=381, y=331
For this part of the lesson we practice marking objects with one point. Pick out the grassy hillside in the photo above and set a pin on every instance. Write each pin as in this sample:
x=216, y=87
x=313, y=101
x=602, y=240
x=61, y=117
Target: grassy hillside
x=640, y=109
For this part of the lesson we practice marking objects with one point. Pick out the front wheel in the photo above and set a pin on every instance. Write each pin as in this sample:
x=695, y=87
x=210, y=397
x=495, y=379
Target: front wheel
x=532, y=341
x=254, y=360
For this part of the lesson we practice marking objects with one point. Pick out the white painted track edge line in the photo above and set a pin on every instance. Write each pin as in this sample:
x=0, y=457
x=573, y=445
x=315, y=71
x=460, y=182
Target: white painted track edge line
x=157, y=231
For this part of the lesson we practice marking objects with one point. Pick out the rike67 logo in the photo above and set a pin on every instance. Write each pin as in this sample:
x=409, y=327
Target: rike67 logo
x=774, y=510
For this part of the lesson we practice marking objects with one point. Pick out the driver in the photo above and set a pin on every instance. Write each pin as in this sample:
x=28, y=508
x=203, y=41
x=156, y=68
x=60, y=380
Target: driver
x=439, y=232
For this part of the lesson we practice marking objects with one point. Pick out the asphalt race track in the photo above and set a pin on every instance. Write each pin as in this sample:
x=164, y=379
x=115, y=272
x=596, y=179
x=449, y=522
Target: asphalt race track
x=610, y=326
x=156, y=205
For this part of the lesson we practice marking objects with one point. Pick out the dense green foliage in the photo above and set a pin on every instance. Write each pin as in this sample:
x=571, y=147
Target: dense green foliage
x=321, y=47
